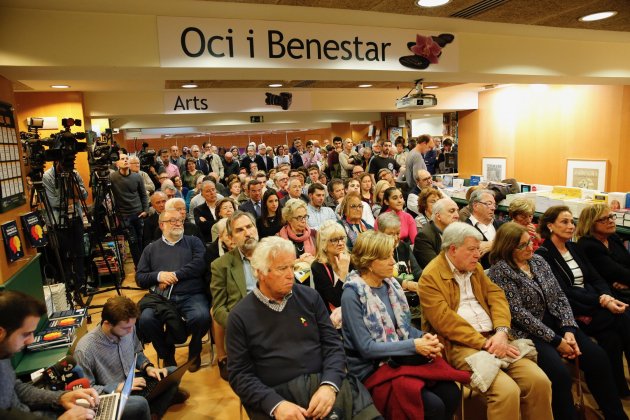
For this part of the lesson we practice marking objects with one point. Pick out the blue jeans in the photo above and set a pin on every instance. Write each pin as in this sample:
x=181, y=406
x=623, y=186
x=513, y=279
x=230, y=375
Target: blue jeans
x=194, y=308
x=134, y=225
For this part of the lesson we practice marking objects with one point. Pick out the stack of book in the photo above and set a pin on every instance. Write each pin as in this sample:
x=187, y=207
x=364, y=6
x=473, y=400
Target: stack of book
x=110, y=255
x=59, y=331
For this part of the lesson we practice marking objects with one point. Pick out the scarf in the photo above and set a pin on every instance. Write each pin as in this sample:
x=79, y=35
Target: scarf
x=375, y=316
x=309, y=246
x=353, y=230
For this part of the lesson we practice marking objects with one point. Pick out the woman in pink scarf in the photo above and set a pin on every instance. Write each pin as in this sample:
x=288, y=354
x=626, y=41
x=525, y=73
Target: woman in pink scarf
x=297, y=231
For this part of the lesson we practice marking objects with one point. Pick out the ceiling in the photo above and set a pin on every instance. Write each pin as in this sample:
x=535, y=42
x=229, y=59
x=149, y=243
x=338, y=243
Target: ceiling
x=99, y=80
x=555, y=13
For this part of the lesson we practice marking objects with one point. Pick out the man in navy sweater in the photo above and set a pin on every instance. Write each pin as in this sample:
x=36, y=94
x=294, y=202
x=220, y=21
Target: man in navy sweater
x=290, y=362
x=174, y=266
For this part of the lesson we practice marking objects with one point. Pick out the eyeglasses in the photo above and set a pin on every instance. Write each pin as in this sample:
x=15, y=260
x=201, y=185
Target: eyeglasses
x=175, y=222
x=301, y=218
x=426, y=179
x=611, y=217
x=521, y=247
x=338, y=240
x=356, y=206
x=487, y=203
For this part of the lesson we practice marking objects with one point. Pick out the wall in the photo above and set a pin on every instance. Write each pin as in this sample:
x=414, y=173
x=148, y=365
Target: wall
x=429, y=125
x=8, y=270
x=538, y=127
x=55, y=104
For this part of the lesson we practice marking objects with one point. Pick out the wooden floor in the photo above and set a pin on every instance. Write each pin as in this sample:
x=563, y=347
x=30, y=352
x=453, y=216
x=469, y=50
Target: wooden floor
x=212, y=398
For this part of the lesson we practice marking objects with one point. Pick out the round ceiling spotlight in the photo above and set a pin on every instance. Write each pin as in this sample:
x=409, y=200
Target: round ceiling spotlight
x=190, y=85
x=59, y=86
x=275, y=85
x=431, y=3
x=597, y=16
x=365, y=86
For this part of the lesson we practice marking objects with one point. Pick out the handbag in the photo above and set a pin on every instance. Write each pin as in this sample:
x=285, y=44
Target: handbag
x=580, y=409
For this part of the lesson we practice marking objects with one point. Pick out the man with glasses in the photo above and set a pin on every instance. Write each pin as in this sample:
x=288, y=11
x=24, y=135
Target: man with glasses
x=317, y=212
x=200, y=162
x=174, y=267
x=213, y=160
x=132, y=202
x=423, y=180
x=482, y=218
x=281, y=181
x=134, y=166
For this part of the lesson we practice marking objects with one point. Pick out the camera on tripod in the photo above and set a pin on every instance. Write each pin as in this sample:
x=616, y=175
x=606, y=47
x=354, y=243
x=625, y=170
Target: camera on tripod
x=61, y=147
x=103, y=153
x=147, y=158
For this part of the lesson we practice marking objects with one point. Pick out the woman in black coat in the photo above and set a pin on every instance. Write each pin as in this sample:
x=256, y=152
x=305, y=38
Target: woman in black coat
x=270, y=221
x=596, y=311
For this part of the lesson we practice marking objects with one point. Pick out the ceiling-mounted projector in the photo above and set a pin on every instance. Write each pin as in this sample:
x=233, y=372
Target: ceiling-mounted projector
x=417, y=100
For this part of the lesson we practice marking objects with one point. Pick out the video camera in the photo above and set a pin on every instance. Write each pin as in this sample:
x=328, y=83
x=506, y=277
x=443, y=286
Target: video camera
x=147, y=159
x=103, y=153
x=283, y=100
x=61, y=147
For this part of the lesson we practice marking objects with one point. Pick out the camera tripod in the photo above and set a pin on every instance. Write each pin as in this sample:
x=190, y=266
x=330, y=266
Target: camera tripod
x=105, y=222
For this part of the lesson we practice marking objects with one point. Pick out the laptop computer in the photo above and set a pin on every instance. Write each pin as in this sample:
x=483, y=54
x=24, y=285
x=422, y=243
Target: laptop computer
x=156, y=388
x=111, y=406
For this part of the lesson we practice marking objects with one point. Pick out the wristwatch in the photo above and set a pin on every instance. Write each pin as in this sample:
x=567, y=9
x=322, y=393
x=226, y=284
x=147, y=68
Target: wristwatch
x=506, y=330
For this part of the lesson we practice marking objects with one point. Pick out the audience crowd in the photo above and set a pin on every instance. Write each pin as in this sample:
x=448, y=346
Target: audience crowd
x=340, y=281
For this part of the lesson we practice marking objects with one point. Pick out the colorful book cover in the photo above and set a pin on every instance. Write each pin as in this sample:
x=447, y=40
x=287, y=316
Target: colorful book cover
x=48, y=338
x=12, y=243
x=70, y=321
x=33, y=227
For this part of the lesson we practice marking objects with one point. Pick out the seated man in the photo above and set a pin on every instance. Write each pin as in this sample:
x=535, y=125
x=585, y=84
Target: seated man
x=290, y=363
x=19, y=316
x=174, y=267
x=470, y=313
x=106, y=353
x=429, y=240
x=232, y=278
x=151, y=230
x=423, y=180
x=483, y=219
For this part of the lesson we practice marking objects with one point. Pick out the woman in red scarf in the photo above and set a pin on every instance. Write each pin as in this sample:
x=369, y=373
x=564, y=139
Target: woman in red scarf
x=297, y=231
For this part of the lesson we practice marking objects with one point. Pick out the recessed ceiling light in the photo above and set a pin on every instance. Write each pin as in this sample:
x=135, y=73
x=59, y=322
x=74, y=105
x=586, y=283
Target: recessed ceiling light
x=190, y=85
x=365, y=86
x=431, y=87
x=59, y=86
x=275, y=85
x=431, y=3
x=598, y=16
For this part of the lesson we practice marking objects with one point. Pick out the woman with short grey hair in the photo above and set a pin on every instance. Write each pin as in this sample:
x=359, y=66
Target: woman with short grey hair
x=297, y=231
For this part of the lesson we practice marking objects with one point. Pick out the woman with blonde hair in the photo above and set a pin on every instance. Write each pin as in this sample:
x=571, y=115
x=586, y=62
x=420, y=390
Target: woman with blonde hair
x=332, y=263
x=596, y=233
x=379, y=191
x=378, y=333
x=521, y=211
x=351, y=212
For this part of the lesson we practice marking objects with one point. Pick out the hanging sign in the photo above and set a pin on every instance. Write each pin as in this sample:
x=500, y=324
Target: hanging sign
x=233, y=43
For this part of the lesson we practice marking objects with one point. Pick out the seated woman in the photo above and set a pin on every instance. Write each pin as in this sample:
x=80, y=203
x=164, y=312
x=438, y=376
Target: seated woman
x=596, y=233
x=367, y=192
x=177, y=181
x=541, y=312
x=379, y=191
x=296, y=230
x=234, y=188
x=407, y=270
x=351, y=212
x=225, y=208
x=521, y=211
x=377, y=328
x=393, y=201
x=332, y=263
x=597, y=313
x=427, y=198
x=270, y=220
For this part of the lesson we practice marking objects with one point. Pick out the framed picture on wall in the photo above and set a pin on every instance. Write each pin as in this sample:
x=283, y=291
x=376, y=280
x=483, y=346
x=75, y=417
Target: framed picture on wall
x=394, y=132
x=493, y=169
x=590, y=174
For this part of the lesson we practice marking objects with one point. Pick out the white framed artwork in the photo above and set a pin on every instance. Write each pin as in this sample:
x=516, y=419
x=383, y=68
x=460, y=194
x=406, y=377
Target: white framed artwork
x=493, y=169
x=589, y=174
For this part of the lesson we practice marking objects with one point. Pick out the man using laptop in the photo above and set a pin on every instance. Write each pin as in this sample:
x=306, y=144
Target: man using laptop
x=19, y=316
x=107, y=352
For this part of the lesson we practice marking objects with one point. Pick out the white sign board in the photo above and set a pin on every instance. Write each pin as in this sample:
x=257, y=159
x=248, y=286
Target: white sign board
x=233, y=43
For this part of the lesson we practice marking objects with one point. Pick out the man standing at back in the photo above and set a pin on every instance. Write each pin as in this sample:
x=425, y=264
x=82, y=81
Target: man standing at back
x=383, y=161
x=415, y=161
x=132, y=202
